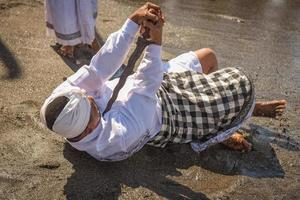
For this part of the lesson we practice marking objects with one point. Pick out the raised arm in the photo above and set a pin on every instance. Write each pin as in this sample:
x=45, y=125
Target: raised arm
x=131, y=123
x=113, y=53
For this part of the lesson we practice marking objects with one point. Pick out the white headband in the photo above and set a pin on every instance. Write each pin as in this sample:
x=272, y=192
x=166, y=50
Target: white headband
x=75, y=116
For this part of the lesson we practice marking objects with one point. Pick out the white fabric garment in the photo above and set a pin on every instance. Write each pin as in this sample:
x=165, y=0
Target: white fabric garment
x=74, y=117
x=135, y=117
x=124, y=129
x=71, y=22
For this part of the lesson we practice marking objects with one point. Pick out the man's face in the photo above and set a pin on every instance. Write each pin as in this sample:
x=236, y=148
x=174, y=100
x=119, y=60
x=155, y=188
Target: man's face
x=93, y=122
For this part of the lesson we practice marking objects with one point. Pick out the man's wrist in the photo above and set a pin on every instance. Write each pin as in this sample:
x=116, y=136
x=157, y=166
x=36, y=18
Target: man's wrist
x=130, y=27
x=134, y=17
x=158, y=42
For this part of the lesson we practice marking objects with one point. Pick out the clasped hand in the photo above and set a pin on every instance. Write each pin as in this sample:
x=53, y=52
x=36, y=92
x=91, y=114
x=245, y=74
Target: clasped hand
x=151, y=20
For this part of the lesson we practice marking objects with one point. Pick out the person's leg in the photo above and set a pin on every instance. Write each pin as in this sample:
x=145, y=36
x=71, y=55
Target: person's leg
x=272, y=109
x=201, y=61
x=62, y=22
x=209, y=63
x=86, y=14
x=208, y=60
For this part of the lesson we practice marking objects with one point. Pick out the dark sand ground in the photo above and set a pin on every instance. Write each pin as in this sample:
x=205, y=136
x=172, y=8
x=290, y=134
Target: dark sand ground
x=262, y=37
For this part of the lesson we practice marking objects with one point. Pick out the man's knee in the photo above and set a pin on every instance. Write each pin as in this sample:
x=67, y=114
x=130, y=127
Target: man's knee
x=208, y=60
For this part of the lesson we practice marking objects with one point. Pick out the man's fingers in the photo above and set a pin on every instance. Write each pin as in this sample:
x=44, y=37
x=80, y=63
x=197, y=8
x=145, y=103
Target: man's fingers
x=159, y=23
x=152, y=17
x=148, y=24
x=162, y=17
x=153, y=11
x=152, y=5
x=153, y=26
x=142, y=29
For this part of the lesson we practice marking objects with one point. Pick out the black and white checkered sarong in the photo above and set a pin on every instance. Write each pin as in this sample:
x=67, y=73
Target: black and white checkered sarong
x=197, y=107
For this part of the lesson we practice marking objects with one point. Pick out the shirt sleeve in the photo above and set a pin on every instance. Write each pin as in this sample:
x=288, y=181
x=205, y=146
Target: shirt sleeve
x=108, y=59
x=129, y=123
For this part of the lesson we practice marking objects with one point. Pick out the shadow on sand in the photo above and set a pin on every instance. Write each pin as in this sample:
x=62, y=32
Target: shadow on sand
x=151, y=167
x=148, y=168
x=10, y=62
x=261, y=162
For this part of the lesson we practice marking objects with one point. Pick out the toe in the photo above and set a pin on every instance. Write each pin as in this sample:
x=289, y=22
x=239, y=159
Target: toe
x=247, y=145
x=281, y=107
x=279, y=111
x=283, y=101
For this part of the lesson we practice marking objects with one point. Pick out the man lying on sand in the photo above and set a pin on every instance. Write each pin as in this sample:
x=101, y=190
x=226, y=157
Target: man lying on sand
x=186, y=100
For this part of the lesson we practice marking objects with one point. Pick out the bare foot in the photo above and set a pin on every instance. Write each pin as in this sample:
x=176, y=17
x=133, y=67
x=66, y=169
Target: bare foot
x=272, y=109
x=238, y=142
x=67, y=51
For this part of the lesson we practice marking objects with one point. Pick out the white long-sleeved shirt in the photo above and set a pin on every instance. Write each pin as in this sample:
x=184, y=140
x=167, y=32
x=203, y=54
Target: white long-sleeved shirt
x=135, y=117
